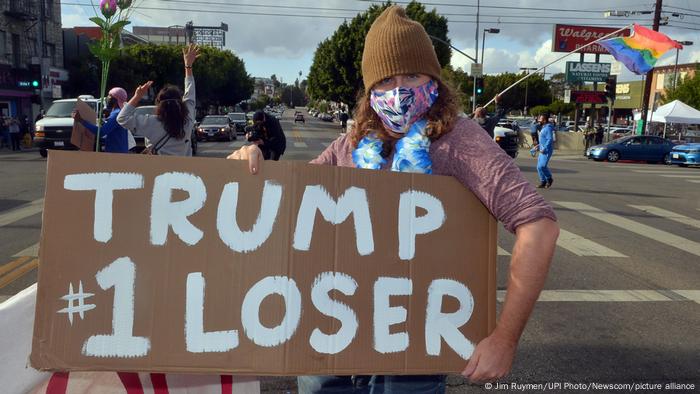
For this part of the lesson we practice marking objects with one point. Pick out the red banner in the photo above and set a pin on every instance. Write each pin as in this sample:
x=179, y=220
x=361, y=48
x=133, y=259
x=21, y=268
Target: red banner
x=568, y=38
x=588, y=97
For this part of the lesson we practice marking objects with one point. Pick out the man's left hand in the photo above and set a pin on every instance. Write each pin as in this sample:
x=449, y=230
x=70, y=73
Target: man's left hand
x=492, y=359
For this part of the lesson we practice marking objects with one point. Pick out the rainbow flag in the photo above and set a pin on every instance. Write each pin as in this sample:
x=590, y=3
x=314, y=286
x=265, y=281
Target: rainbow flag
x=640, y=51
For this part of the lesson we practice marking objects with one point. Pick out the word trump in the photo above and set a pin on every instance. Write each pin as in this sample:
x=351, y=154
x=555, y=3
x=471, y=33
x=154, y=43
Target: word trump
x=167, y=214
x=121, y=274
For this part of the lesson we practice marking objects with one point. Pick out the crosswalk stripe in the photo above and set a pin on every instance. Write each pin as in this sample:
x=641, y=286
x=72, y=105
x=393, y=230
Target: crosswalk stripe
x=681, y=176
x=635, y=227
x=32, y=251
x=610, y=296
x=503, y=252
x=24, y=211
x=236, y=144
x=326, y=144
x=659, y=171
x=668, y=215
x=18, y=272
x=693, y=180
x=689, y=294
x=580, y=246
x=301, y=144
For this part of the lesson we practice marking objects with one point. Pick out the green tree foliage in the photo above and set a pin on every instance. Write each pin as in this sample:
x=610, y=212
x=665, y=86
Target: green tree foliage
x=538, y=91
x=291, y=93
x=336, y=73
x=687, y=91
x=461, y=83
x=560, y=107
x=221, y=76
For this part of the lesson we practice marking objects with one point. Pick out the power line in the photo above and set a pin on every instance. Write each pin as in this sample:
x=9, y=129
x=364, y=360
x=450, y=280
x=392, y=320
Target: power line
x=498, y=21
x=492, y=6
x=225, y=12
x=680, y=8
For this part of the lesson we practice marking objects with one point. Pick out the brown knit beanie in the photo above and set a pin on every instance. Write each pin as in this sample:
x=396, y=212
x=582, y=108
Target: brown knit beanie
x=395, y=44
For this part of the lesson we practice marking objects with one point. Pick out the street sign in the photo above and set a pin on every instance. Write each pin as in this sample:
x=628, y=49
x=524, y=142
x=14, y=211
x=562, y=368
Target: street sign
x=567, y=96
x=477, y=70
x=588, y=97
x=579, y=72
x=616, y=68
x=568, y=38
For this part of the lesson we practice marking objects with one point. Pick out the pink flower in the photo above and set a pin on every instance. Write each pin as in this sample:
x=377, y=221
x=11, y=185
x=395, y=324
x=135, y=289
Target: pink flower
x=124, y=4
x=108, y=7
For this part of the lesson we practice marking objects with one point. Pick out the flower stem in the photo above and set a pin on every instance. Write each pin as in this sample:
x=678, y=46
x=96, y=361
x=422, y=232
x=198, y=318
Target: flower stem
x=103, y=89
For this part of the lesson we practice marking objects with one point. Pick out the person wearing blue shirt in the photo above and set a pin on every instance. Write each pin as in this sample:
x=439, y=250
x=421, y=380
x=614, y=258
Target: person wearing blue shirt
x=545, y=148
x=115, y=137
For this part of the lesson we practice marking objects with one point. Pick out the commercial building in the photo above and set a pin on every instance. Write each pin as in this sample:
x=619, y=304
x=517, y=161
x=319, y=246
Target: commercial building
x=173, y=35
x=31, y=55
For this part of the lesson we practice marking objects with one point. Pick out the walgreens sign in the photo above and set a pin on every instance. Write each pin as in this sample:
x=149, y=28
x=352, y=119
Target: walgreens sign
x=568, y=38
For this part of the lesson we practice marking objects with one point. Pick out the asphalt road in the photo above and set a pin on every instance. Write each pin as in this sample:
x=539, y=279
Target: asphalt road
x=621, y=304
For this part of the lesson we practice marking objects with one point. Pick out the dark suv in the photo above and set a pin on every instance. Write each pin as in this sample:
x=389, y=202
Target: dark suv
x=239, y=121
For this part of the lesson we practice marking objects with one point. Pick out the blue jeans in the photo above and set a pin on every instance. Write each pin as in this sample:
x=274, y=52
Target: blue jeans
x=542, y=166
x=377, y=384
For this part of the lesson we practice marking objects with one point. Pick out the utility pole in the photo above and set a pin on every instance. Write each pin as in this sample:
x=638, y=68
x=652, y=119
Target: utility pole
x=650, y=74
x=476, y=54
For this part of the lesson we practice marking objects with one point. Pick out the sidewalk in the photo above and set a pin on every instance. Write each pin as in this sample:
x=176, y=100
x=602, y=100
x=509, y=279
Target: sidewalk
x=24, y=154
x=567, y=154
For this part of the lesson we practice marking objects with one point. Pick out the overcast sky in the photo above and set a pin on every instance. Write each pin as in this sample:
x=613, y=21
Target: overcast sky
x=284, y=43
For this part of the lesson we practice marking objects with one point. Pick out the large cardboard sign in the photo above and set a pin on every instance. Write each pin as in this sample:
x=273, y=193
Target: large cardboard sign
x=193, y=265
x=81, y=136
x=568, y=38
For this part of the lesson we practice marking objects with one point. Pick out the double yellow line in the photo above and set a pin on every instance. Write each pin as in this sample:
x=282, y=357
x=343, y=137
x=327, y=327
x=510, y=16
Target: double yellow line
x=17, y=268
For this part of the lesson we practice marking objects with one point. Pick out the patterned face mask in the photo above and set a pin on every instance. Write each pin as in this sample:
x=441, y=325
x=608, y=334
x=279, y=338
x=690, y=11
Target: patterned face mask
x=401, y=107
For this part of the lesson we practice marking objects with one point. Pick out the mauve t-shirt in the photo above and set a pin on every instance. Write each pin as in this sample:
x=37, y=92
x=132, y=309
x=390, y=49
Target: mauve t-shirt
x=475, y=160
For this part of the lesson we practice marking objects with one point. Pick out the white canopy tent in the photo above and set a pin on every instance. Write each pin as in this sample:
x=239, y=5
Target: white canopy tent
x=676, y=112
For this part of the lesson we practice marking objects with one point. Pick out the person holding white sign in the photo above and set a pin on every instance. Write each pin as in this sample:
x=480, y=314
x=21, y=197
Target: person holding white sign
x=408, y=121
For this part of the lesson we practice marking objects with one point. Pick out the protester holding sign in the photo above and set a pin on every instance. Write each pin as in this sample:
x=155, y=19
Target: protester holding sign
x=170, y=129
x=407, y=121
x=115, y=136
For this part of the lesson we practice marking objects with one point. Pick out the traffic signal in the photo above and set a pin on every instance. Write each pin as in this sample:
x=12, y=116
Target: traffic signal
x=610, y=86
x=479, y=82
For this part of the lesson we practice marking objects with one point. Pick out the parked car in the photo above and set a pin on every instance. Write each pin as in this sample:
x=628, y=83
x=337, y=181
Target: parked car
x=216, y=127
x=506, y=138
x=299, y=117
x=638, y=147
x=54, y=130
x=239, y=121
x=142, y=142
x=686, y=155
x=619, y=132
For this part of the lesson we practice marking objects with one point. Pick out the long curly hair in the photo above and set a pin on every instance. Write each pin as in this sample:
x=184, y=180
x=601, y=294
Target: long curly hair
x=441, y=117
x=171, y=111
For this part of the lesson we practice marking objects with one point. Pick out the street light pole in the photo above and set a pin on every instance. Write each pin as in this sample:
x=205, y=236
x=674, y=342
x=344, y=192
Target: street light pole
x=675, y=67
x=527, y=71
x=483, y=42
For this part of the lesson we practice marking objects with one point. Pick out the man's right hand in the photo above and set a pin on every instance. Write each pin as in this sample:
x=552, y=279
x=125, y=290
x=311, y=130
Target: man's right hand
x=251, y=153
